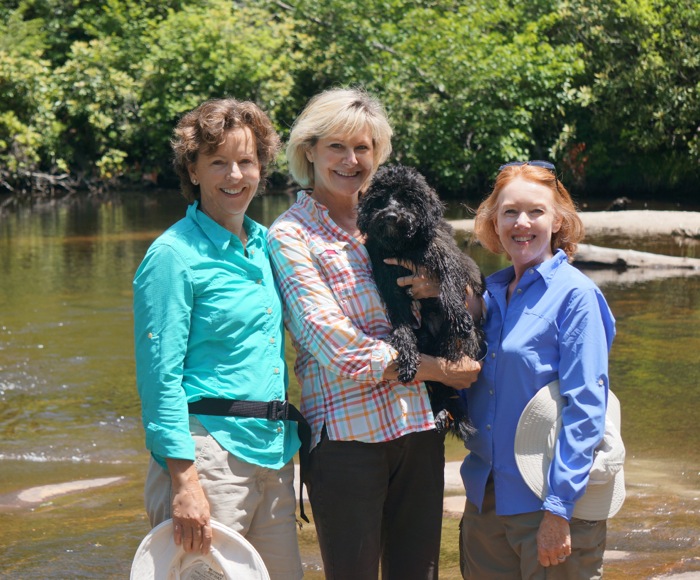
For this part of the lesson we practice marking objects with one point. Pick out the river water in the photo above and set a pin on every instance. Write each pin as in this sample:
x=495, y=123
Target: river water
x=69, y=409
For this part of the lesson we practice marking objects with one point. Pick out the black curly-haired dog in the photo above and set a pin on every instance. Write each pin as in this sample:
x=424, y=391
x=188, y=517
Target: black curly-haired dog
x=401, y=216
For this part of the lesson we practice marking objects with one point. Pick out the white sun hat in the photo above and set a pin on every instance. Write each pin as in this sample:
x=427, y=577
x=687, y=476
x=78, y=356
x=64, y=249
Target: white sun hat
x=535, y=440
x=231, y=556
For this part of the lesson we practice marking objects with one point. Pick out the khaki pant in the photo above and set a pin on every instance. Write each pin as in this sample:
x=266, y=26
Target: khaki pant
x=505, y=547
x=256, y=502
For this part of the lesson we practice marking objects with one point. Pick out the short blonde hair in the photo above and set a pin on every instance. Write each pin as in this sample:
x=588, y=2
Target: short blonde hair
x=571, y=231
x=203, y=129
x=336, y=111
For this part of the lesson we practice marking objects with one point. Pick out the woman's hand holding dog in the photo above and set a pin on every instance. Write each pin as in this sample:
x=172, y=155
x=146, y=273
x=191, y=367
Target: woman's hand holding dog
x=418, y=285
x=459, y=374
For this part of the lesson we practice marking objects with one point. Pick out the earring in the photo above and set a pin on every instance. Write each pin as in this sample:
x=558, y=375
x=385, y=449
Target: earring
x=195, y=181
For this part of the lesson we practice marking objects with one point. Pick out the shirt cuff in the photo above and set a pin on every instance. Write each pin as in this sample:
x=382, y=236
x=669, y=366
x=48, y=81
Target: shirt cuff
x=165, y=444
x=558, y=507
x=382, y=357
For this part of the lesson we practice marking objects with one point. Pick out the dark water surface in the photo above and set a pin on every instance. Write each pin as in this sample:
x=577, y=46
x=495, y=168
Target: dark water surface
x=69, y=409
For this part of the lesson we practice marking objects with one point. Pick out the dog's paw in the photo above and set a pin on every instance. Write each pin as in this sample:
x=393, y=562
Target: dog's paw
x=443, y=421
x=408, y=368
x=404, y=341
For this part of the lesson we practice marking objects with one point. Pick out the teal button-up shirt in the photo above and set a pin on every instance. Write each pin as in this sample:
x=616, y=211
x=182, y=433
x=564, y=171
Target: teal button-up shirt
x=208, y=323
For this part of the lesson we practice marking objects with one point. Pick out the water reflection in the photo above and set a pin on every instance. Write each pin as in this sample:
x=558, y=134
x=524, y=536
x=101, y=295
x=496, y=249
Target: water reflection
x=69, y=409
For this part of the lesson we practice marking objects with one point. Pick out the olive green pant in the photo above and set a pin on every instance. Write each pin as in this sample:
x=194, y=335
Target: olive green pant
x=505, y=547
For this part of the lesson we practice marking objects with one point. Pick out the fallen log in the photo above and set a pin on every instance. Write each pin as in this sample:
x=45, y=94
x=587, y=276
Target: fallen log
x=629, y=223
x=595, y=256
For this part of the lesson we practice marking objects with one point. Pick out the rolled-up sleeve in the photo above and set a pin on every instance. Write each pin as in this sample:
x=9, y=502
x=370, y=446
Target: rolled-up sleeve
x=163, y=300
x=587, y=329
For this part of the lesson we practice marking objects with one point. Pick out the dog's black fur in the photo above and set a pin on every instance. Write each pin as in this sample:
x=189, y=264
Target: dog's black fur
x=401, y=216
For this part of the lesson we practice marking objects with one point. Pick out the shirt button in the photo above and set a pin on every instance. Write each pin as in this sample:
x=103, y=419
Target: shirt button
x=279, y=429
x=258, y=281
x=276, y=371
x=601, y=382
x=519, y=290
x=493, y=355
x=150, y=335
x=491, y=392
x=272, y=341
x=488, y=427
x=530, y=271
x=269, y=310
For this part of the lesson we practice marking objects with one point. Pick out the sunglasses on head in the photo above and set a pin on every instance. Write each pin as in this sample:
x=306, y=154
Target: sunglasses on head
x=543, y=164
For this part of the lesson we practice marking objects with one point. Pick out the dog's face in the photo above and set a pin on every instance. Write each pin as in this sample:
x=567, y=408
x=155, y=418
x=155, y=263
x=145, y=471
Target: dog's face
x=399, y=209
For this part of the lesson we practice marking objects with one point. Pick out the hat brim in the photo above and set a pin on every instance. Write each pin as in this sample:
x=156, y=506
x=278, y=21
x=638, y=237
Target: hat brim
x=536, y=436
x=231, y=556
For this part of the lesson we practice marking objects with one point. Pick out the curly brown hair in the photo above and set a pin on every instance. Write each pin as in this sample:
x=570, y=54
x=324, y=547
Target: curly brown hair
x=571, y=231
x=203, y=129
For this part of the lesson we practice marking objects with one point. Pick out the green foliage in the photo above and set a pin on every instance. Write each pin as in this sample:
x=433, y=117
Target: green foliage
x=606, y=88
x=638, y=106
x=29, y=130
x=100, y=108
x=218, y=50
x=467, y=84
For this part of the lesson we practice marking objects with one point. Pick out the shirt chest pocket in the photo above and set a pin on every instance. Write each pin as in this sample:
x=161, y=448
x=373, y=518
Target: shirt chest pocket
x=534, y=340
x=340, y=268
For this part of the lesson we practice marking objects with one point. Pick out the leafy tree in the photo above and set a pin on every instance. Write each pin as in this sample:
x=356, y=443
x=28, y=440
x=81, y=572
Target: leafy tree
x=635, y=123
x=215, y=50
x=606, y=88
x=29, y=130
x=100, y=110
x=467, y=85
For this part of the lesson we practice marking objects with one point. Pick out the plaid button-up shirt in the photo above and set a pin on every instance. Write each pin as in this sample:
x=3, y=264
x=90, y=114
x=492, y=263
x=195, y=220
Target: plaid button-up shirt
x=337, y=320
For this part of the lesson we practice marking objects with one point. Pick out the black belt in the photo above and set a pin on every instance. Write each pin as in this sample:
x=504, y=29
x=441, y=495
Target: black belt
x=271, y=410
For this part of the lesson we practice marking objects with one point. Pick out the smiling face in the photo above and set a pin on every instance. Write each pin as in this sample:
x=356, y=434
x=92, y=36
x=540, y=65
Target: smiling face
x=343, y=164
x=525, y=220
x=228, y=178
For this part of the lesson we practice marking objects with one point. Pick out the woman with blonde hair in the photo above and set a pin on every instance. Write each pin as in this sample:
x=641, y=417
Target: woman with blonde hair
x=376, y=471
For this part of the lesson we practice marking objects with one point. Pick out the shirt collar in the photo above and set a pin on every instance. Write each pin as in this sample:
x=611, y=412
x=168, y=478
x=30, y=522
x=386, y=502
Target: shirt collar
x=325, y=221
x=219, y=235
x=546, y=269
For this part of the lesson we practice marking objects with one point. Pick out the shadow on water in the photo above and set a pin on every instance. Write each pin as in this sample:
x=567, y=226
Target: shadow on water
x=69, y=409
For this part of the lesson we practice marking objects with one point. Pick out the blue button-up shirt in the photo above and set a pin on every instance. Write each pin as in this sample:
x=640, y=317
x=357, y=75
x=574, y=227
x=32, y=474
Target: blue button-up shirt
x=208, y=323
x=557, y=325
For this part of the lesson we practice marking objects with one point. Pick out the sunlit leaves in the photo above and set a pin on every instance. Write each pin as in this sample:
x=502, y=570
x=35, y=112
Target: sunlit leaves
x=609, y=89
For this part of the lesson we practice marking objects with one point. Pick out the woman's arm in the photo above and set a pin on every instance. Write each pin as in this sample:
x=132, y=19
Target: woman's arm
x=163, y=300
x=315, y=320
x=460, y=374
x=586, y=333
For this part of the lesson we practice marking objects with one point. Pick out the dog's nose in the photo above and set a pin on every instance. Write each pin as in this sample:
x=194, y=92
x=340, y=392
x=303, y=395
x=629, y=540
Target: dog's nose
x=391, y=216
